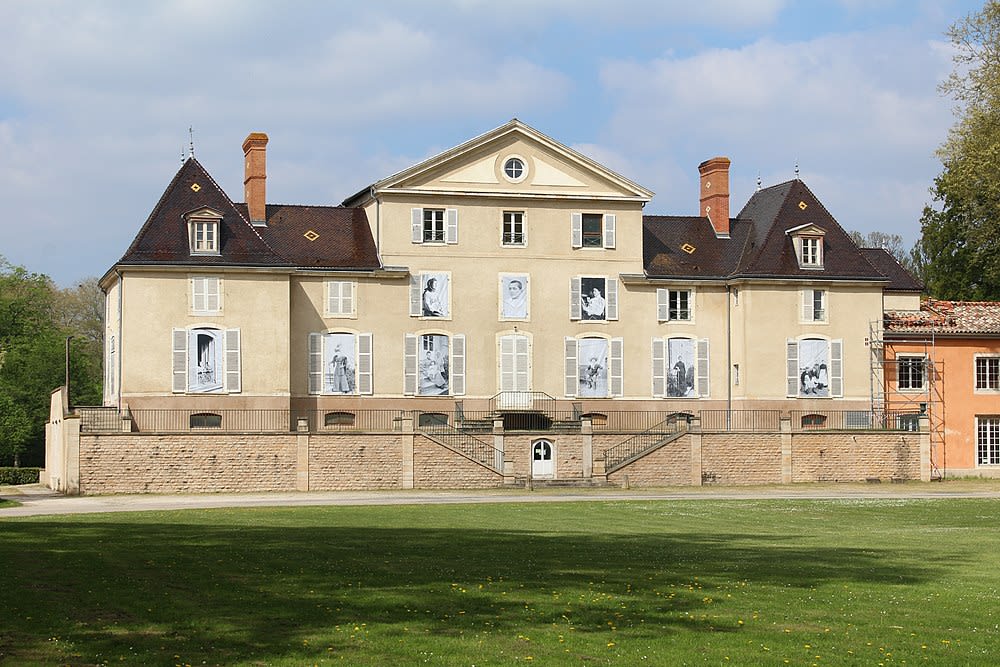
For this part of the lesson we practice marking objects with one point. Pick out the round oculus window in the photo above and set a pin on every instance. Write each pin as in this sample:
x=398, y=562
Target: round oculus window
x=514, y=169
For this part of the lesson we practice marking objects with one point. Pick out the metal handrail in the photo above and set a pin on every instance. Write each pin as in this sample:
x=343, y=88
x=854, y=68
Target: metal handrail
x=641, y=442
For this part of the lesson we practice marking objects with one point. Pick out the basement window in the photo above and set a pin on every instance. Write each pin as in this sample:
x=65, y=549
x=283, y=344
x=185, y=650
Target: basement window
x=338, y=419
x=206, y=420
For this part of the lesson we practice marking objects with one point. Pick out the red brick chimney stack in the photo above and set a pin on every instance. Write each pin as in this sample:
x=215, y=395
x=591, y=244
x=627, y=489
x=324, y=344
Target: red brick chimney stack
x=255, y=175
x=715, y=193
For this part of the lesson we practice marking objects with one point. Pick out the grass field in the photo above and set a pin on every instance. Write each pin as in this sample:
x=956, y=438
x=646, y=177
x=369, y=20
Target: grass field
x=869, y=582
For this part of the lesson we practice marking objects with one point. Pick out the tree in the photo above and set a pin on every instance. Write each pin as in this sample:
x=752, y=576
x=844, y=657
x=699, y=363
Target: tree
x=891, y=243
x=958, y=254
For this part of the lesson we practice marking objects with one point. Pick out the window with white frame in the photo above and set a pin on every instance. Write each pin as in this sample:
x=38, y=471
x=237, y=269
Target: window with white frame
x=812, y=248
x=911, y=372
x=594, y=367
x=808, y=243
x=203, y=232
x=987, y=440
x=674, y=305
x=814, y=305
x=515, y=169
x=987, y=373
x=434, y=364
x=430, y=295
x=593, y=230
x=593, y=298
x=434, y=225
x=513, y=228
x=680, y=367
x=814, y=367
x=206, y=360
x=340, y=300
x=206, y=295
x=340, y=363
x=514, y=362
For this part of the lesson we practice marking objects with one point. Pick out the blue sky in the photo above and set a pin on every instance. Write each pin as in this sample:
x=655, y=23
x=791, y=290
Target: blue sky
x=96, y=99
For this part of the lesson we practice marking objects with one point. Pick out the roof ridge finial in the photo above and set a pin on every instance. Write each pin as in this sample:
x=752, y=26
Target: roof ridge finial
x=191, y=134
x=183, y=157
x=758, y=182
x=796, y=170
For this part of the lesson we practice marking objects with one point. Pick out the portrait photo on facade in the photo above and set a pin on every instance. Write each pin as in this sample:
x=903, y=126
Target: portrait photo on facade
x=593, y=292
x=204, y=361
x=339, y=374
x=434, y=296
x=593, y=367
x=432, y=367
x=680, y=367
x=814, y=368
x=514, y=297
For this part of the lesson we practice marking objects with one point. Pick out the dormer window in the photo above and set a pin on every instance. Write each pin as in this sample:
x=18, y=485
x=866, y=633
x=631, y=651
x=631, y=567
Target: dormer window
x=808, y=243
x=203, y=231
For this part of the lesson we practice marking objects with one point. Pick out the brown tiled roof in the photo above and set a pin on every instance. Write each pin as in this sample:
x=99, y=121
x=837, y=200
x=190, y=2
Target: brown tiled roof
x=899, y=278
x=342, y=237
x=946, y=318
x=676, y=246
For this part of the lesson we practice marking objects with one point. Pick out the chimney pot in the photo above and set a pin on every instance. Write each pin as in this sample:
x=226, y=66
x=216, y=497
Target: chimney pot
x=714, y=193
x=255, y=176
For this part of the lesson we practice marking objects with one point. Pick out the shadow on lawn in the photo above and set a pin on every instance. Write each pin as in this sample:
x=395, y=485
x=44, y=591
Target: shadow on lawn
x=258, y=592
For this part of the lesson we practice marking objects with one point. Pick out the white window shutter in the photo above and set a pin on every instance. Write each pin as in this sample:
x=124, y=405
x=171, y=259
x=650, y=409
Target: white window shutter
x=179, y=361
x=410, y=365
x=315, y=363
x=333, y=297
x=347, y=298
x=457, y=377
x=662, y=304
x=451, y=225
x=507, y=363
x=233, y=376
x=571, y=367
x=609, y=230
x=792, y=367
x=611, y=312
x=575, y=306
x=836, y=367
x=212, y=294
x=659, y=368
x=617, y=370
x=807, y=305
x=703, y=388
x=522, y=364
x=415, y=309
x=365, y=366
x=576, y=230
x=417, y=225
x=198, y=295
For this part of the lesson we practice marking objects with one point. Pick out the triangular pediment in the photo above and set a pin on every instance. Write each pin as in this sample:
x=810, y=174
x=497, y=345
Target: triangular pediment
x=808, y=229
x=513, y=160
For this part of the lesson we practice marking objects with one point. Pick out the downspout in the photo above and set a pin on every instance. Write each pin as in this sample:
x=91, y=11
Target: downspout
x=729, y=355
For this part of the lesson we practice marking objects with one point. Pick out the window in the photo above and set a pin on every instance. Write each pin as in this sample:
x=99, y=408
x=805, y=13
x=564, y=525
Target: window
x=908, y=422
x=432, y=419
x=514, y=169
x=430, y=295
x=987, y=440
x=810, y=251
x=203, y=231
x=813, y=305
x=808, y=243
x=514, y=363
x=206, y=295
x=340, y=298
x=513, y=228
x=594, y=367
x=593, y=230
x=680, y=368
x=910, y=373
x=593, y=298
x=112, y=368
x=434, y=364
x=340, y=363
x=988, y=373
x=814, y=368
x=674, y=305
x=206, y=361
x=813, y=421
x=205, y=420
x=434, y=225
x=339, y=418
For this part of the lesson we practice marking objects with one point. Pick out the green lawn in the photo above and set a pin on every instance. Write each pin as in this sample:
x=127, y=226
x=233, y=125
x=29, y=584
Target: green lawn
x=864, y=582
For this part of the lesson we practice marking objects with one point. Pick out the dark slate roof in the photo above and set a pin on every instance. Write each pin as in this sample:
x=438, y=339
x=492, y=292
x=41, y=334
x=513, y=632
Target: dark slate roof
x=343, y=238
x=899, y=278
x=946, y=318
x=758, y=246
x=676, y=246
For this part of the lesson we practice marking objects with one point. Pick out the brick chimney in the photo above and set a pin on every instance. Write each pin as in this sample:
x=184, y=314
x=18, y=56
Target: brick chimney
x=255, y=176
x=714, y=193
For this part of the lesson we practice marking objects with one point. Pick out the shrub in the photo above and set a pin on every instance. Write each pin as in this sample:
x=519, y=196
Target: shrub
x=19, y=475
